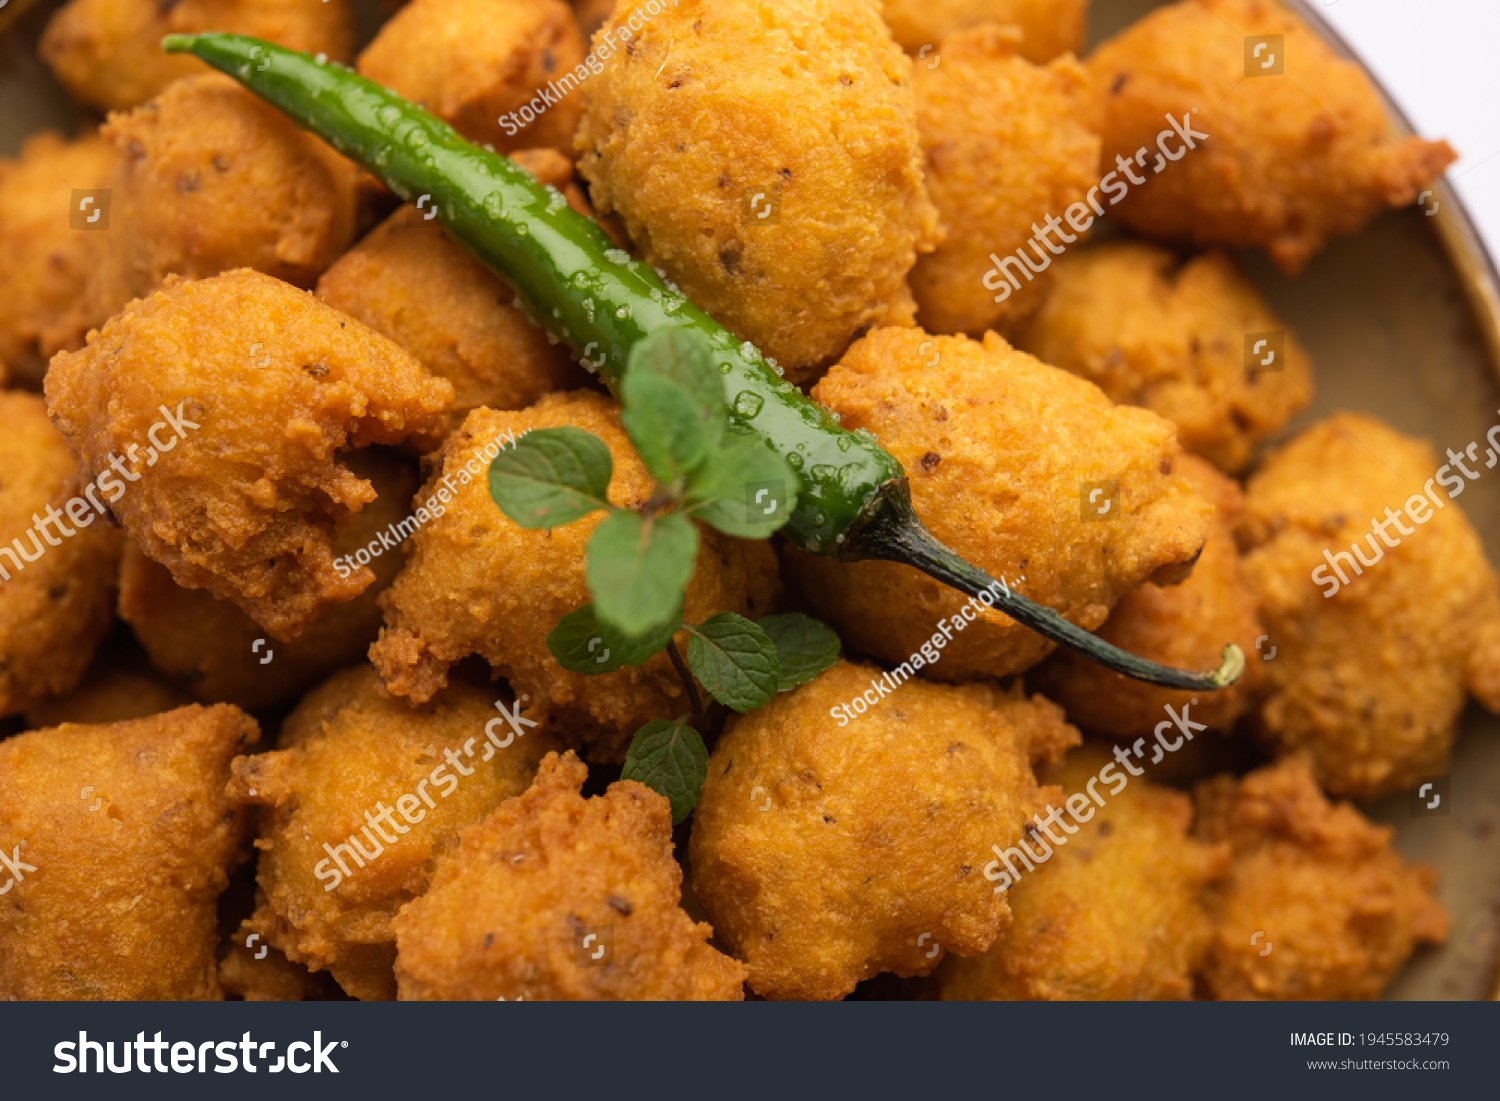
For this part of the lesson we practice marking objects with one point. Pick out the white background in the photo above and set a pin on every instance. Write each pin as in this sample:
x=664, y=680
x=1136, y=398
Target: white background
x=1440, y=61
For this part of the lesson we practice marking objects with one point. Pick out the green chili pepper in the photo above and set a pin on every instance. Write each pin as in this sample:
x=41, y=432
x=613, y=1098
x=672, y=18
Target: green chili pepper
x=854, y=502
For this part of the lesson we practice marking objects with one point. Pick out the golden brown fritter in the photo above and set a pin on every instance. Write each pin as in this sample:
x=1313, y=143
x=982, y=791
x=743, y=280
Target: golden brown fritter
x=359, y=809
x=1115, y=913
x=213, y=179
x=208, y=645
x=1375, y=652
x=1184, y=626
x=1284, y=160
x=409, y=281
x=249, y=387
x=1005, y=456
x=548, y=882
x=477, y=583
x=475, y=64
x=827, y=850
x=56, y=577
x=108, y=52
x=124, y=840
x=1337, y=910
x=1007, y=147
x=765, y=157
x=256, y=972
x=43, y=259
x=1048, y=27
x=116, y=687
x=591, y=15
x=1176, y=338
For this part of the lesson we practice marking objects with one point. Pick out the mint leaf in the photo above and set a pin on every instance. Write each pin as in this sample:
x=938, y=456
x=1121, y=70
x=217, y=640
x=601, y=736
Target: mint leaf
x=744, y=489
x=735, y=661
x=805, y=647
x=582, y=644
x=638, y=568
x=666, y=425
x=686, y=357
x=670, y=759
x=551, y=477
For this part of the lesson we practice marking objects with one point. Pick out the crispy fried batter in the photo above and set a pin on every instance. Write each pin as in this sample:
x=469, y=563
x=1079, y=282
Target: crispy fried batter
x=1338, y=909
x=477, y=583
x=766, y=158
x=509, y=909
x=1114, y=914
x=264, y=974
x=132, y=841
x=1292, y=159
x=1048, y=27
x=1002, y=452
x=108, y=52
x=332, y=876
x=208, y=645
x=1369, y=676
x=58, y=578
x=474, y=62
x=409, y=281
x=114, y=689
x=1183, y=626
x=1173, y=337
x=215, y=179
x=824, y=850
x=43, y=260
x=274, y=383
x=1007, y=144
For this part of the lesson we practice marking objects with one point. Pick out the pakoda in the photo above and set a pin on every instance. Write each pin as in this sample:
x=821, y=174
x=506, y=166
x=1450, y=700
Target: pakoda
x=1048, y=27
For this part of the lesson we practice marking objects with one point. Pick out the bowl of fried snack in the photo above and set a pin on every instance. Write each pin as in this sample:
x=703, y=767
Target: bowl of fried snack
x=1163, y=310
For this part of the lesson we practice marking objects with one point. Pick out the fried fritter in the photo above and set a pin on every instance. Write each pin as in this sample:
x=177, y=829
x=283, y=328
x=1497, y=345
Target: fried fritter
x=43, y=258
x=476, y=63
x=1184, y=626
x=108, y=52
x=1374, y=652
x=209, y=645
x=591, y=15
x=331, y=875
x=58, y=580
x=1010, y=461
x=477, y=583
x=1114, y=914
x=765, y=157
x=547, y=884
x=1048, y=27
x=409, y=281
x=257, y=386
x=1007, y=145
x=1337, y=910
x=826, y=851
x=124, y=841
x=114, y=689
x=1176, y=338
x=1290, y=146
x=214, y=178
x=263, y=974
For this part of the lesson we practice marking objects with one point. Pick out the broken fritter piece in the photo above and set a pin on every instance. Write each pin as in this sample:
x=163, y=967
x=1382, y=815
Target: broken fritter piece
x=1191, y=341
x=1028, y=472
x=1334, y=909
x=122, y=841
x=361, y=802
x=1115, y=913
x=222, y=404
x=826, y=850
x=1230, y=153
x=555, y=897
